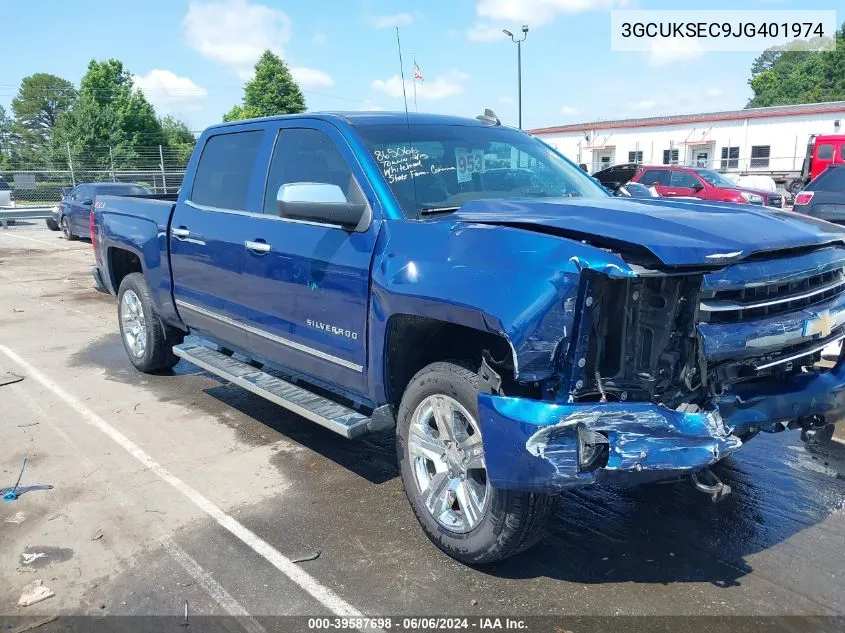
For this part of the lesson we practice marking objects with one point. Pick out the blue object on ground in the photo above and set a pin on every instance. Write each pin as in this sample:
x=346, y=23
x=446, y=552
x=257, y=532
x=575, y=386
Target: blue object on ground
x=12, y=495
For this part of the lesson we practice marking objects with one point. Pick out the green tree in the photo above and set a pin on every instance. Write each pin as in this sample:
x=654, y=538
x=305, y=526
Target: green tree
x=786, y=76
x=272, y=90
x=111, y=123
x=178, y=138
x=6, y=139
x=41, y=100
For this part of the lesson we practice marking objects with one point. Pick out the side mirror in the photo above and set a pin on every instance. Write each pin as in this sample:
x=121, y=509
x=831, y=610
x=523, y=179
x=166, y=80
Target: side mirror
x=87, y=202
x=697, y=186
x=319, y=202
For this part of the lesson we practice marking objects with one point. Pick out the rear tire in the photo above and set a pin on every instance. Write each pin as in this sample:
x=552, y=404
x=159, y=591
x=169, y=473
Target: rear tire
x=147, y=340
x=471, y=520
x=51, y=224
x=67, y=231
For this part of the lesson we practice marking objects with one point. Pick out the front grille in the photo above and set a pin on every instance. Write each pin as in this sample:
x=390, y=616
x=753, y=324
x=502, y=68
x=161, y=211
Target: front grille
x=757, y=302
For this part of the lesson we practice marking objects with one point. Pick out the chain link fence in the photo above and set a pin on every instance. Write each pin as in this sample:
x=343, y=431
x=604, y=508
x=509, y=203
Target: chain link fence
x=45, y=182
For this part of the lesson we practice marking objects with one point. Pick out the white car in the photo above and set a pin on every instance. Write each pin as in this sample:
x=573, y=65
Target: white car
x=7, y=198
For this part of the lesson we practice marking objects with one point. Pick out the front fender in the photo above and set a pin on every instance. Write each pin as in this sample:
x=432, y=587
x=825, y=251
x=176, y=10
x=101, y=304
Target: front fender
x=516, y=283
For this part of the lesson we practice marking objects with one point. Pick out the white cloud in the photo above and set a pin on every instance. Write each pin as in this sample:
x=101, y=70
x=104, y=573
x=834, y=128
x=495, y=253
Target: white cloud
x=569, y=110
x=669, y=50
x=645, y=104
x=311, y=78
x=390, y=21
x=505, y=100
x=715, y=93
x=169, y=92
x=371, y=106
x=537, y=12
x=235, y=32
x=438, y=88
x=485, y=33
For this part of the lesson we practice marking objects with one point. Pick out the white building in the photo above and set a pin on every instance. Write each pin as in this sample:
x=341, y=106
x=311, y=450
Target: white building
x=769, y=141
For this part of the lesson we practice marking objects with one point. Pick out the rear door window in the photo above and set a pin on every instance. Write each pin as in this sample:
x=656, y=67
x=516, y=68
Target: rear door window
x=225, y=169
x=825, y=151
x=655, y=177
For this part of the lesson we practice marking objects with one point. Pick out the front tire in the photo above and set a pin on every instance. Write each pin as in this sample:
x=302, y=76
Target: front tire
x=148, y=342
x=67, y=231
x=441, y=457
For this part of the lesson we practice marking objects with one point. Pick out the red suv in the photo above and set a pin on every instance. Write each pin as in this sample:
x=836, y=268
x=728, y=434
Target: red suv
x=673, y=181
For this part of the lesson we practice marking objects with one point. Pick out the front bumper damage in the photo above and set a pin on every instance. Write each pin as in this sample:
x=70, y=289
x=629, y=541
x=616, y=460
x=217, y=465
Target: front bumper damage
x=545, y=446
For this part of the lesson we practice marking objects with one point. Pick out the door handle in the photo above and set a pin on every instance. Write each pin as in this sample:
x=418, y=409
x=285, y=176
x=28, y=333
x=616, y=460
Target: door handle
x=180, y=233
x=258, y=247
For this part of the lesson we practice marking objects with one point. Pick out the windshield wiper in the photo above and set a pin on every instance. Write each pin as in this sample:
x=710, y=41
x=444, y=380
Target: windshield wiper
x=434, y=210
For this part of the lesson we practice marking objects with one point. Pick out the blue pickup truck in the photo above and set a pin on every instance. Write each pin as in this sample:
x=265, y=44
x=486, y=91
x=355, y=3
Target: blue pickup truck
x=461, y=282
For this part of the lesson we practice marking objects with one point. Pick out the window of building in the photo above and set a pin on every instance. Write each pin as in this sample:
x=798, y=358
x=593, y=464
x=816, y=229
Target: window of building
x=730, y=158
x=635, y=157
x=760, y=156
x=225, y=169
x=670, y=157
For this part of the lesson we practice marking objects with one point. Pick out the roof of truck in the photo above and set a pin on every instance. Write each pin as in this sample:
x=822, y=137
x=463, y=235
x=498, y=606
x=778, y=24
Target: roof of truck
x=368, y=118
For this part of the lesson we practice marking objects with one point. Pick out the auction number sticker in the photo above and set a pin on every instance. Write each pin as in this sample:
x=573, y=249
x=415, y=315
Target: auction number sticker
x=469, y=162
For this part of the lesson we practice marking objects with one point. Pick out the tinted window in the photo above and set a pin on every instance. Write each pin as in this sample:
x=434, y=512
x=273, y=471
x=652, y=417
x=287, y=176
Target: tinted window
x=4, y=186
x=825, y=151
x=304, y=155
x=655, y=176
x=829, y=180
x=225, y=169
x=683, y=179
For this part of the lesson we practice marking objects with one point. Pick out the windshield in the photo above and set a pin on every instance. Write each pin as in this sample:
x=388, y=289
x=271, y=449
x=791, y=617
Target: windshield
x=715, y=178
x=441, y=167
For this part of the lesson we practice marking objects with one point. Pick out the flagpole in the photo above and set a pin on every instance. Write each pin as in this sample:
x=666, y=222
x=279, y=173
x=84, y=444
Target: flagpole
x=401, y=71
x=415, y=83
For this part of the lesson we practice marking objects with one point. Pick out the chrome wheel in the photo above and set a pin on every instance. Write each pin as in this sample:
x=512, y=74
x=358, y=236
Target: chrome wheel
x=447, y=461
x=133, y=323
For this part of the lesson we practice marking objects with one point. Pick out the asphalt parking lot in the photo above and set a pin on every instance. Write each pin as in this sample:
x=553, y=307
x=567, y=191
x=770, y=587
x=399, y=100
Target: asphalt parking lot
x=181, y=488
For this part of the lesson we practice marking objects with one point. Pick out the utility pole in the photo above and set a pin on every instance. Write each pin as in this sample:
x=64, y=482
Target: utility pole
x=70, y=164
x=518, y=43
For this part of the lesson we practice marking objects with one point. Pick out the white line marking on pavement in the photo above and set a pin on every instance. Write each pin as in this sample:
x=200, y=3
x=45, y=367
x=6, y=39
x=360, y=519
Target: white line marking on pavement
x=311, y=585
x=24, y=237
x=212, y=587
x=215, y=591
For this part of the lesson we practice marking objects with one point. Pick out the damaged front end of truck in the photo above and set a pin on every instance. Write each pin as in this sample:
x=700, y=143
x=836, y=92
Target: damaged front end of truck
x=669, y=368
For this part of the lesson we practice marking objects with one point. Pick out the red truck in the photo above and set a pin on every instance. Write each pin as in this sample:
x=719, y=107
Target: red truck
x=822, y=150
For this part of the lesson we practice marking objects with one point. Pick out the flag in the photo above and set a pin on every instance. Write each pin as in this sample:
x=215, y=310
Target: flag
x=418, y=73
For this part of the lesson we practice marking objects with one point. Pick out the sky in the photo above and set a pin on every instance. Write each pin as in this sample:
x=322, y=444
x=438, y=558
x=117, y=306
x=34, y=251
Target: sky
x=191, y=57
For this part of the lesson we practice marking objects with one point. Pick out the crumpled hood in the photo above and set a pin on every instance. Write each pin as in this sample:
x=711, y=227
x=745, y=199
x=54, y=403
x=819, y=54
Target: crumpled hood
x=677, y=232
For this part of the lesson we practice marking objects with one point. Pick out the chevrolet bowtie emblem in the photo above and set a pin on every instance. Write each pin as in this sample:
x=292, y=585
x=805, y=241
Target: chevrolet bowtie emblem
x=822, y=325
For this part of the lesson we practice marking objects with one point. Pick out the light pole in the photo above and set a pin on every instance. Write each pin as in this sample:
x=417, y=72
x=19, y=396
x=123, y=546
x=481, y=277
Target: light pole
x=518, y=63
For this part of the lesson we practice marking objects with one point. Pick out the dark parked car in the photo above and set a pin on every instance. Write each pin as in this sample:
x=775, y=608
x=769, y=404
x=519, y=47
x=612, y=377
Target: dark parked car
x=74, y=211
x=824, y=197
